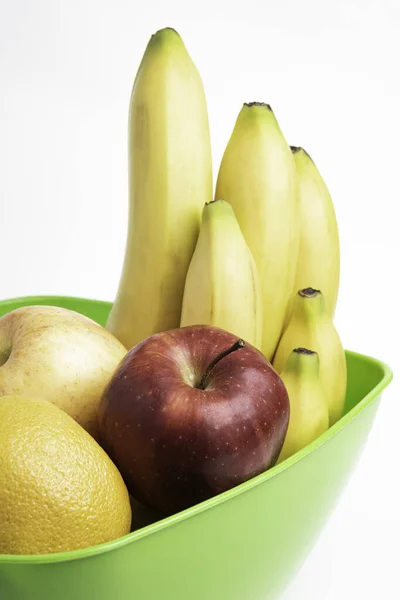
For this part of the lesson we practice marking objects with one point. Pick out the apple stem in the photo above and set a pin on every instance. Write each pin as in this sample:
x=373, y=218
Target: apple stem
x=204, y=380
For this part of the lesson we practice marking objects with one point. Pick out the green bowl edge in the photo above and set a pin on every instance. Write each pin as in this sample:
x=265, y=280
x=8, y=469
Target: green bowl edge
x=387, y=377
x=49, y=298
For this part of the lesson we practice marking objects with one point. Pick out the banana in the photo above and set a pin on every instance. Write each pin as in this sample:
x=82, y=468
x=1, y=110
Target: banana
x=310, y=326
x=222, y=286
x=309, y=414
x=319, y=251
x=257, y=176
x=170, y=179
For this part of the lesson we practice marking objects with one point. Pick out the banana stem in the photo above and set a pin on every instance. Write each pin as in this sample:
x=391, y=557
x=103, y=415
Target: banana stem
x=204, y=380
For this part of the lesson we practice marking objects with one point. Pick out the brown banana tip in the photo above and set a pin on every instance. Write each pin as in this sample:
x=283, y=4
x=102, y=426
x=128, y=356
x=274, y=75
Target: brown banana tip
x=250, y=104
x=309, y=292
x=296, y=149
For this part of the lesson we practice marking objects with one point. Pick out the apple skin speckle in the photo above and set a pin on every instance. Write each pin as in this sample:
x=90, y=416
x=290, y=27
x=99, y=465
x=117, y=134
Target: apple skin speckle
x=179, y=444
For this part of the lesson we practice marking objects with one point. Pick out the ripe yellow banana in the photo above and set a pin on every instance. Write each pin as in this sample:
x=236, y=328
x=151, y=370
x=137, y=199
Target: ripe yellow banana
x=258, y=178
x=311, y=327
x=222, y=286
x=319, y=252
x=309, y=414
x=170, y=179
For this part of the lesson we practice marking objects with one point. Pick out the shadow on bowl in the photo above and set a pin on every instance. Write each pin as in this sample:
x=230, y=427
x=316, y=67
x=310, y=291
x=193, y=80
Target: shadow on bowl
x=245, y=544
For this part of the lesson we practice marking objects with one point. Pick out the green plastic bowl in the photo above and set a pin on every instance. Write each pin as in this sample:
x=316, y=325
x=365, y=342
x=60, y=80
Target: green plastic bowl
x=245, y=544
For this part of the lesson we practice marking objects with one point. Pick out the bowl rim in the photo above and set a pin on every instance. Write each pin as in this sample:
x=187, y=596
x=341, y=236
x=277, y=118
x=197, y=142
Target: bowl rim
x=152, y=528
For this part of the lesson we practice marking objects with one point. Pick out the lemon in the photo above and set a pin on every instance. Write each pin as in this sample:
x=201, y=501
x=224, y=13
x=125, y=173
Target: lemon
x=59, y=490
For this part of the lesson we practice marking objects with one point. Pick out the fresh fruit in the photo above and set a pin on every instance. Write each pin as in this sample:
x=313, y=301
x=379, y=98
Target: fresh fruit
x=309, y=414
x=222, y=286
x=310, y=326
x=59, y=490
x=258, y=178
x=170, y=179
x=58, y=355
x=319, y=251
x=191, y=413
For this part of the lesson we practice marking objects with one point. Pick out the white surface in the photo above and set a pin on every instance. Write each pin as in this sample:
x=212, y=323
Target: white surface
x=330, y=71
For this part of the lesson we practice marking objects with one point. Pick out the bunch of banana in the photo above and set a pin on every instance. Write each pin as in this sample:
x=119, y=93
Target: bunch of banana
x=170, y=179
x=236, y=262
x=311, y=326
x=258, y=178
x=319, y=252
x=309, y=413
x=222, y=286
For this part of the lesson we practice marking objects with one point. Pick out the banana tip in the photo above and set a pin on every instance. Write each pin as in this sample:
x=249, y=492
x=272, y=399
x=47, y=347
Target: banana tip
x=304, y=351
x=309, y=292
x=160, y=33
x=297, y=149
x=263, y=104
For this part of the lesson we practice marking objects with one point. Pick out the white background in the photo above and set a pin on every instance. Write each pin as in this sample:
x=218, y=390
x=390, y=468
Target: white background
x=331, y=72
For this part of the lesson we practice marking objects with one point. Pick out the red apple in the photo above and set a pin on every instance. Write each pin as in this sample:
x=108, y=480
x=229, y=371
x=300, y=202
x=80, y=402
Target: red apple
x=190, y=413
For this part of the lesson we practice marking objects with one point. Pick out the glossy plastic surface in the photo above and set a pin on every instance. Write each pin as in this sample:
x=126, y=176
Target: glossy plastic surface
x=246, y=544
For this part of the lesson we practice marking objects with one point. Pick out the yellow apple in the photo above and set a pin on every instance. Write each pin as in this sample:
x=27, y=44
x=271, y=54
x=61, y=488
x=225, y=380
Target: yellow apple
x=59, y=355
